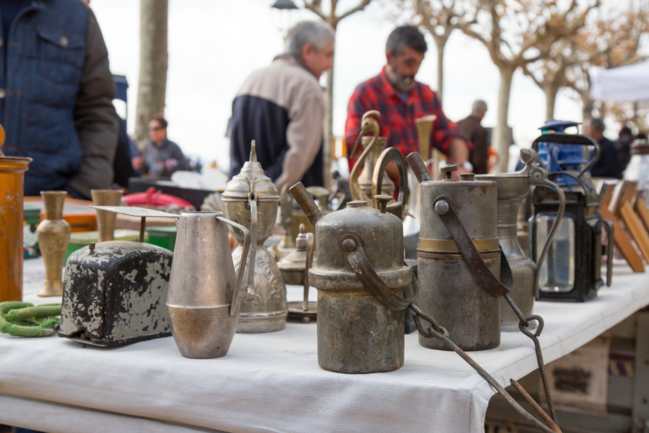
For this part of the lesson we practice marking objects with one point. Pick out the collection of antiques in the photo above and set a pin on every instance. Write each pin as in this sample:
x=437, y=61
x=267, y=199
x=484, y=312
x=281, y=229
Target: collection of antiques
x=472, y=279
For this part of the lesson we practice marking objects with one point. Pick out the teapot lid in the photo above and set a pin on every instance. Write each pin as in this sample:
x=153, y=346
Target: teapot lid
x=251, y=178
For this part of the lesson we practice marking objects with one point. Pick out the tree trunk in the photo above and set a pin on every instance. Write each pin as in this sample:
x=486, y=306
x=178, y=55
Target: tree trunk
x=586, y=109
x=441, y=44
x=550, y=101
x=152, y=81
x=328, y=146
x=501, y=136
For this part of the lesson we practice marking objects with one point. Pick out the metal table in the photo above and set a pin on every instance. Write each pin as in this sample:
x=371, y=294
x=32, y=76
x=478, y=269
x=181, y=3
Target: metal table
x=272, y=382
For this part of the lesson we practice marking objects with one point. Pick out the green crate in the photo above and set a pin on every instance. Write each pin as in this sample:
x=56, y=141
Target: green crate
x=81, y=239
x=164, y=237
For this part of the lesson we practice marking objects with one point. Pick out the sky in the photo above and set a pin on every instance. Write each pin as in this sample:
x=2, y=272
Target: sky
x=215, y=44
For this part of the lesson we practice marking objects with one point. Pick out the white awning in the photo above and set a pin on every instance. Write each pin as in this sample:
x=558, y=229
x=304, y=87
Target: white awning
x=626, y=83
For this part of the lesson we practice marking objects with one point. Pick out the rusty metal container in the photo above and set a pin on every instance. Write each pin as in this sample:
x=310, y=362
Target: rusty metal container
x=450, y=292
x=12, y=172
x=251, y=200
x=513, y=188
x=359, y=260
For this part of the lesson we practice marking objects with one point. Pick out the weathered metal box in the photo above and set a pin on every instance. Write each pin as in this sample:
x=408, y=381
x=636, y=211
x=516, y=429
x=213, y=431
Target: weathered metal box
x=115, y=294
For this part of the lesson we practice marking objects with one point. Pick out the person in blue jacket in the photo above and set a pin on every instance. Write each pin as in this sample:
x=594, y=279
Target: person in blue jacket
x=56, y=93
x=607, y=165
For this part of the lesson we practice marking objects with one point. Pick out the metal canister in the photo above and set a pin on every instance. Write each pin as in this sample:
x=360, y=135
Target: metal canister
x=360, y=275
x=251, y=200
x=450, y=291
x=12, y=171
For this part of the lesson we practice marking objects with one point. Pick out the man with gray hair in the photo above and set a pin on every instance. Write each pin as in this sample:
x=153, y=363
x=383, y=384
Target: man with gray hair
x=282, y=108
x=477, y=135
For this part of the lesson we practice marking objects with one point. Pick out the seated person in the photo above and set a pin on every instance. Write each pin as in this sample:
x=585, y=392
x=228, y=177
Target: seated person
x=163, y=157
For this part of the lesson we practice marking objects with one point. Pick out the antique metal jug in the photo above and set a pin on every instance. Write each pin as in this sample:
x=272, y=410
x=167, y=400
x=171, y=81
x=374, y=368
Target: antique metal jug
x=251, y=200
x=295, y=270
x=53, y=237
x=360, y=274
x=204, y=297
x=106, y=220
x=361, y=186
x=449, y=290
x=513, y=188
x=114, y=291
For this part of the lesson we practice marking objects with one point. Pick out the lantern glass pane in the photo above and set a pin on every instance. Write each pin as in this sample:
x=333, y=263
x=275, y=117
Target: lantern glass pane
x=558, y=269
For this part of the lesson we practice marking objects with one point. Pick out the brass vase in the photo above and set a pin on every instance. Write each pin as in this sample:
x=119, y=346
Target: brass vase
x=53, y=237
x=106, y=220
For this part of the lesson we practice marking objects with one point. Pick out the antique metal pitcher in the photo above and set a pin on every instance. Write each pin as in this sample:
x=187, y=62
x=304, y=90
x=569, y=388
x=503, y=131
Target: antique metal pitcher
x=251, y=200
x=360, y=274
x=513, y=188
x=361, y=186
x=449, y=290
x=204, y=298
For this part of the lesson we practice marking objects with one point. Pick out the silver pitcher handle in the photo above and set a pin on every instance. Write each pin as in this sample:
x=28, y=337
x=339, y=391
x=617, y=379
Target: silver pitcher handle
x=250, y=287
x=539, y=177
x=234, y=307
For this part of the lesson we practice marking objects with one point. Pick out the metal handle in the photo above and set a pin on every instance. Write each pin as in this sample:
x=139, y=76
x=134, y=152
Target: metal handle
x=570, y=139
x=539, y=177
x=485, y=278
x=418, y=166
x=609, y=249
x=309, y=263
x=368, y=124
x=352, y=247
x=234, y=307
x=388, y=155
x=252, y=199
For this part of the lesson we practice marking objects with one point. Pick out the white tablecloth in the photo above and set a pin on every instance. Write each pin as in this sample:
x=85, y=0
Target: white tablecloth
x=272, y=382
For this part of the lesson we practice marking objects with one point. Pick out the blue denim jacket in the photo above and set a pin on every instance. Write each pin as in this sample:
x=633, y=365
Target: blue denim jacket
x=40, y=71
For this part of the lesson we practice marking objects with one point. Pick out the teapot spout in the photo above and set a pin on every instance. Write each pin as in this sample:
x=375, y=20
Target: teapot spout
x=418, y=167
x=305, y=201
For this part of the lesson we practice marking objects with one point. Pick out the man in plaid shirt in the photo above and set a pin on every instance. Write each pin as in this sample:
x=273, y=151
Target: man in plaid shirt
x=400, y=100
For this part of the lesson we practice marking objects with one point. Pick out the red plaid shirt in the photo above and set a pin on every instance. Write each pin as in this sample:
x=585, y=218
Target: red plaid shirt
x=398, y=116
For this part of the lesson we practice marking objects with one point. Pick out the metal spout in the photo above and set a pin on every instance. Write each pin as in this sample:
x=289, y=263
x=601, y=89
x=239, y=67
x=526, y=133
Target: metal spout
x=307, y=204
x=418, y=167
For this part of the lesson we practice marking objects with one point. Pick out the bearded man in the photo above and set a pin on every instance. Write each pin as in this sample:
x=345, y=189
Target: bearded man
x=401, y=100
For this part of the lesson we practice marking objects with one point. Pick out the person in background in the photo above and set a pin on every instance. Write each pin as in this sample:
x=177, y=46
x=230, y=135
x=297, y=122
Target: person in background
x=624, y=140
x=607, y=164
x=162, y=157
x=282, y=108
x=122, y=166
x=56, y=93
x=401, y=100
x=477, y=135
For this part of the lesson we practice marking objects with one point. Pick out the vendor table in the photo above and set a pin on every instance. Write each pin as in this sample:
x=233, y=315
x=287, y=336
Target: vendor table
x=272, y=382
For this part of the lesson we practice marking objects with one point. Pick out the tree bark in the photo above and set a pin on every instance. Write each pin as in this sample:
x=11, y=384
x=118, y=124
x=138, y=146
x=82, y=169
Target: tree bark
x=501, y=135
x=328, y=145
x=550, y=101
x=586, y=109
x=441, y=44
x=152, y=81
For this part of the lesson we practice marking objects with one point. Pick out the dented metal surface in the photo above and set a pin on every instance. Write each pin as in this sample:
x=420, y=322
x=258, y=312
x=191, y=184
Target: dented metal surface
x=116, y=294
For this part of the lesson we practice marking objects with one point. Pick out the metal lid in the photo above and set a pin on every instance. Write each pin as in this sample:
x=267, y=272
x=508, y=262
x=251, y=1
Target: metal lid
x=640, y=147
x=251, y=178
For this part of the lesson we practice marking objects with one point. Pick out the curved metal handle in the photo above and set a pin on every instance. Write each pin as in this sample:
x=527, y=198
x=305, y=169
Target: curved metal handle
x=571, y=139
x=309, y=263
x=485, y=278
x=539, y=177
x=609, y=249
x=388, y=155
x=352, y=247
x=234, y=307
x=252, y=199
x=369, y=124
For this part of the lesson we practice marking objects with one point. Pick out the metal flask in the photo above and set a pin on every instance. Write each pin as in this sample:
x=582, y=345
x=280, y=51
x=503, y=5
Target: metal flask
x=251, y=200
x=513, y=188
x=204, y=298
x=450, y=290
x=360, y=274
